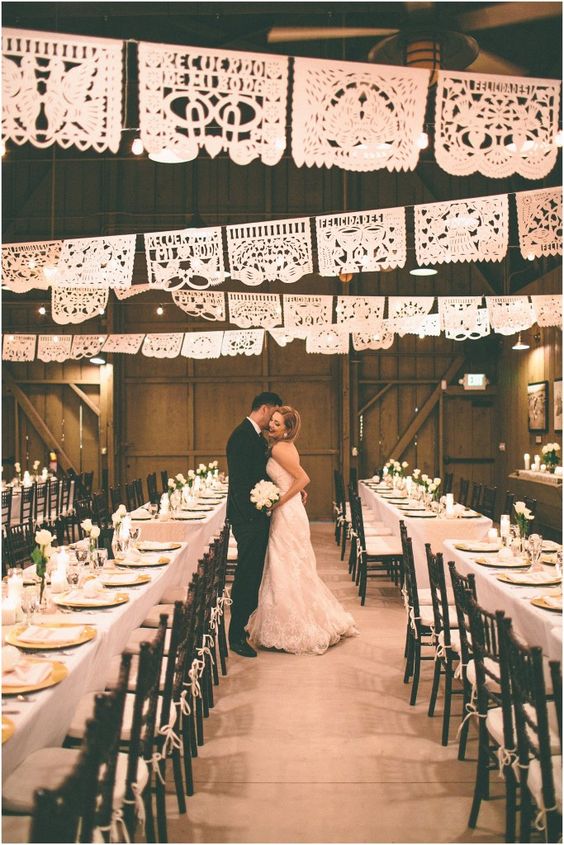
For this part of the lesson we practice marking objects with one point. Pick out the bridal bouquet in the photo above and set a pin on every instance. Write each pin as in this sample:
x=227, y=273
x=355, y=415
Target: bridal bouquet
x=264, y=494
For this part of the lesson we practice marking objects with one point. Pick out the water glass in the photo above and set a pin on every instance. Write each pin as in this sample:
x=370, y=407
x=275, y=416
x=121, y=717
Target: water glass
x=535, y=550
x=30, y=602
x=134, y=533
x=73, y=573
x=99, y=559
x=153, y=509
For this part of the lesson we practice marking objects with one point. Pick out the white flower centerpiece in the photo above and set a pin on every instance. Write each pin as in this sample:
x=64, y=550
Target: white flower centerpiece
x=523, y=516
x=120, y=540
x=93, y=532
x=264, y=495
x=551, y=455
x=175, y=487
x=41, y=556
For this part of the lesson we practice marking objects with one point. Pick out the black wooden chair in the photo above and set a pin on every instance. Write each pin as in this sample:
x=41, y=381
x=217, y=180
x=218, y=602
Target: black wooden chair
x=476, y=496
x=464, y=586
x=488, y=501
x=20, y=544
x=153, y=493
x=164, y=480
x=376, y=556
x=100, y=508
x=67, y=494
x=539, y=749
x=130, y=496
x=116, y=497
x=463, y=491
x=510, y=499
x=419, y=634
x=139, y=494
x=531, y=504
x=7, y=506
x=27, y=503
x=448, y=482
x=41, y=502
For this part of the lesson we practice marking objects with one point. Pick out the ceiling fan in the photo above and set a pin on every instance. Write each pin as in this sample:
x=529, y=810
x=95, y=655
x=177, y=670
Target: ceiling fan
x=428, y=38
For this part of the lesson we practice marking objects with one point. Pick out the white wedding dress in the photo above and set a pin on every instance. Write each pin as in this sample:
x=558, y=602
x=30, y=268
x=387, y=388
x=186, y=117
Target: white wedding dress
x=296, y=611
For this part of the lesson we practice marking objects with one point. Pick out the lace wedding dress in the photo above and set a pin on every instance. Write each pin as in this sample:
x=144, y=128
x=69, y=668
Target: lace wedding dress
x=296, y=611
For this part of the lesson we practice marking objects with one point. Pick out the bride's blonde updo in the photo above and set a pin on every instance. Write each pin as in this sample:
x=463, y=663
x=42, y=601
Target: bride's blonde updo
x=292, y=422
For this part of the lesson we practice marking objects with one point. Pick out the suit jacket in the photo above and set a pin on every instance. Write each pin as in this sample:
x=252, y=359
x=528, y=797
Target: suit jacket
x=246, y=461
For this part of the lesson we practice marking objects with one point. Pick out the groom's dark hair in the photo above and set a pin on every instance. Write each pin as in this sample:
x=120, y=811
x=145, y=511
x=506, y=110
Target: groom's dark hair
x=266, y=398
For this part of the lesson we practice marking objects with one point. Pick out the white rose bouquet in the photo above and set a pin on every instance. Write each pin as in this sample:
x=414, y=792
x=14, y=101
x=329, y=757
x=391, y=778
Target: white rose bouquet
x=93, y=532
x=118, y=517
x=41, y=555
x=550, y=454
x=522, y=517
x=264, y=495
x=202, y=470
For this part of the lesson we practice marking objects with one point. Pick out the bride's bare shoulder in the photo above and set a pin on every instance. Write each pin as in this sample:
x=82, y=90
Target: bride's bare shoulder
x=283, y=450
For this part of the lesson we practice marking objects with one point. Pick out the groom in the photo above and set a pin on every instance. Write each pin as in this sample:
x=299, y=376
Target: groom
x=246, y=460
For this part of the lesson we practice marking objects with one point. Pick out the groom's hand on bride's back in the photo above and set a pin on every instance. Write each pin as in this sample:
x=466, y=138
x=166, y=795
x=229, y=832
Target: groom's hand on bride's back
x=303, y=494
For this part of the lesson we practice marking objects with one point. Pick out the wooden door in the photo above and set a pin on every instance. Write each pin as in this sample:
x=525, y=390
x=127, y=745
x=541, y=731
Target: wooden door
x=470, y=430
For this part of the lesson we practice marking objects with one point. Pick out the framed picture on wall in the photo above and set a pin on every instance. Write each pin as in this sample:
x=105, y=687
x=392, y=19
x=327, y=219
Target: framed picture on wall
x=557, y=404
x=537, y=396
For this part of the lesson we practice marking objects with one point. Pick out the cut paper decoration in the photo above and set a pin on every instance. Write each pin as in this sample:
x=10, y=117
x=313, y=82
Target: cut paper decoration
x=54, y=347
x=243, y=343
x=192, y=98
x=359, y=313
x=481, y=329
x=255, y=309
x=369, y=340
x=406, y=314
x=22, y=264
x=357, y=116
x=548, y=309
x=329, y=341
x=18, y=347
x=134, y=290
x=496, y=125
x=128, y=343
x=202, y=345
x=460, y=314
x=430, y=326
x=64, y=89
x=192, y=257
x=96, y=262
x=302, y=311
x=285, y=336
x=462, y=230
x=510, y=314
x=162, y=345
x=267, y=252
x=75, y=305
x=363, y=241
x=209, y=305
x=539, y=215
x=87, y=345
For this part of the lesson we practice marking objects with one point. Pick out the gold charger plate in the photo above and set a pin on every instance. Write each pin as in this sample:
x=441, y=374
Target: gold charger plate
x=120, y=598
x=548, y=560
x=58, y=673
x=473, y=547
x=197, y=509
x=162, y=561
x=551, y=582
x=142, y=578
x=500, y=564
x=12, y=637
x=147, y=546
x=8, y=729
x=540, y=602
x=188, y=517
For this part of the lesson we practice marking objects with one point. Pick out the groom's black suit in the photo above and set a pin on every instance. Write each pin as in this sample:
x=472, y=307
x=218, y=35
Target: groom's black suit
x=246, y=460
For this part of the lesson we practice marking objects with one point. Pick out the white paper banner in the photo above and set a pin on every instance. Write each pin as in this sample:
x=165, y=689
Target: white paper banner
x=329, y=341
x=64, y=89
x=357, y=116
x=192, y=98
x=548, y=309
x=368, y=240
x=130, y=344
x=87, y=345
x=481, y=329
x=248, y=310
x=496, y=125
x=460, y=314
x=192, y=257
x=18, y=347
x=96, y=262
x=359, y=313
x=510, y=314
x=462, y=230
x=285, y=336
x=305, y=311
x=202, y=345
x=376, y=340
x=162, y=345
x=539, y=214
x=22, y=264
x=243, y=343
x=406, y=315
x=266, y=252
x=75, y=305
x=54, y=347
x=209, y=305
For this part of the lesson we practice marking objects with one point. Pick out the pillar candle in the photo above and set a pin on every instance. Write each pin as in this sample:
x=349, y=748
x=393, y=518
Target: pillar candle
x=504, y=523
x=15, y=586
x=537, y=462
x=492, y=535
x=449, y=504
x=8, y=612
x=527, y=459
x=59, y=581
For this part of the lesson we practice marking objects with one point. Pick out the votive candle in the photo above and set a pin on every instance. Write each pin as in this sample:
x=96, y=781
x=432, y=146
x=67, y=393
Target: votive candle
x=504, y=525
x=449, y=504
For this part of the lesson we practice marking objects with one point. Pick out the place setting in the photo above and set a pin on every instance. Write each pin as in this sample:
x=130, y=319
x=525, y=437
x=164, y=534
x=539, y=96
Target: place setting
x=23, y=674
x=44, y=636
x=91, y=595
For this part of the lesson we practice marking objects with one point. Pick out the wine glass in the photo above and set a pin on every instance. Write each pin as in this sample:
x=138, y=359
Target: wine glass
x=100, y=559
x=30, y=602
x=153, y=509
x=535, y=550
x=73, y=572
x=134, y=533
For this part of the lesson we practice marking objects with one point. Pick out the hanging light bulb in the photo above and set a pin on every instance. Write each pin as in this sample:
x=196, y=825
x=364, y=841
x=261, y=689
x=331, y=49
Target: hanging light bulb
x=137, y=147
x=530, y=256
x=50, y=272
x=559, y=138
x=422, y=141
x=520, y=344
x=3, y=147
x=345, y=277
x=423, y=271
x=160, y=310
x=422, y=334
x=42, y=310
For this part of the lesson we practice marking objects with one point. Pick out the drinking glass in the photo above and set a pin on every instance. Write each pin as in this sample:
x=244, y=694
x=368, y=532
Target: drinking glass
x=535, y=550
x=30, y=602
x=153, y=509
x=134, y=533
x=73, y=572
x=100, y=559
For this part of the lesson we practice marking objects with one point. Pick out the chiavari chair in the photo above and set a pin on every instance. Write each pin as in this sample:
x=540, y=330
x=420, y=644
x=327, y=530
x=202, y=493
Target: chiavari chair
x=139, y=495
x=100, y=508
x=53, y=498
x=488, y=501
x=130, y=496
x=86, y=479
x=419, y=632
x=152, y=491
x=164, y=480
x=116, y=497
x=66, y=489
x=27, y=503
x=537, y=756
x=7, y=506
x=463, y=491
x=376, y=555
x=447, y=641
x=41, y=502
x=475, y=496
x=464, y=586
x=448, y=482
x=510, y=499
x=20, y=544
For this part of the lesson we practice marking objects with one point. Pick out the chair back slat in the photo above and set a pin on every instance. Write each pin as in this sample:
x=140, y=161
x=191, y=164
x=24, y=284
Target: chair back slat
x=7, y=506
x=463, y=491
x=152, y=491
x=488, y=501
x=475, y=496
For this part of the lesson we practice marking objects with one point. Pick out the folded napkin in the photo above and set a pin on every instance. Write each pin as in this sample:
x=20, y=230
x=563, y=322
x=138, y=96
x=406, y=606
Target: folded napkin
x=155, y=545
x=38, y=634
x=148, y=559
x=530, y=577
x=119, y=579
x=77, y=596
x=27, y=674
x=553, y=601
x=140, y=513
x=550, y=546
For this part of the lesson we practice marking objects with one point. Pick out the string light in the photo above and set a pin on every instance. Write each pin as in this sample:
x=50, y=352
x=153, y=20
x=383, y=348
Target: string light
x=137, y=147
x=422, y=141
x=559, y=138
x=160, y=310
x=42, y=310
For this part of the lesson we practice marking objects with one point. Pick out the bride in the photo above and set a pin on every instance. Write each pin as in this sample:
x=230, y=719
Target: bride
x=296, y=611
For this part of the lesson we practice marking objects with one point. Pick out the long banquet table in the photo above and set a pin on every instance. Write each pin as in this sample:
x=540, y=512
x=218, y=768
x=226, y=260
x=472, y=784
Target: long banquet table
x=44, y=720
x=536, y=626
x=435, y=530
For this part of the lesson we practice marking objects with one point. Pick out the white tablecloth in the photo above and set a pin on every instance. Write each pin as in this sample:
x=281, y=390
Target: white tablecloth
x=44, y=722
x=434, y=531
x=536, y=626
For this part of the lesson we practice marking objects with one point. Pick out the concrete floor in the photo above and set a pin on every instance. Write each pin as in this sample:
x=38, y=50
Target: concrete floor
x=327, y=749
